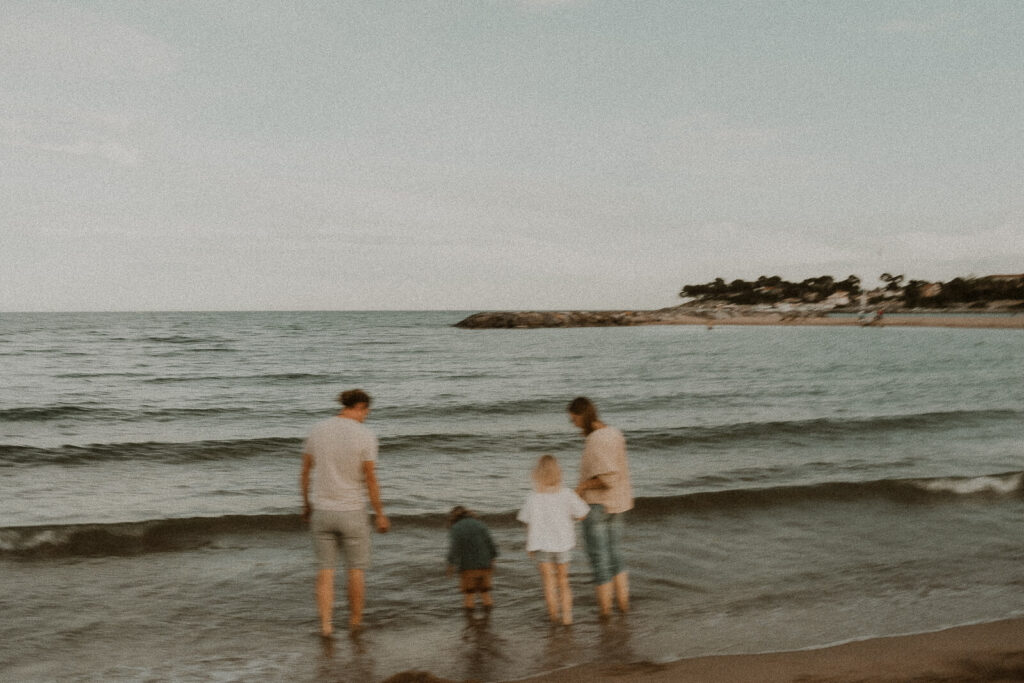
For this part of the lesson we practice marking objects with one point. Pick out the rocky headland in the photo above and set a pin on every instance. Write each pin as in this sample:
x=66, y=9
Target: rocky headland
x=990, y=301
x=534, y=319
x=710, y=316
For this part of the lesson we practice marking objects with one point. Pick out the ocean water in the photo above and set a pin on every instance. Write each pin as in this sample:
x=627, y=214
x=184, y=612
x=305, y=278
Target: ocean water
x=796, y=487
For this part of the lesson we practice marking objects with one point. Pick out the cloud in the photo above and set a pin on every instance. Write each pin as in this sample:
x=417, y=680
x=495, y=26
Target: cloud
x=937, y=255
x=541, y=5
x=721, y=246
x=44, y=40
x=69, y=80
x=82, y=138
x=907, y=26
x=922, y=26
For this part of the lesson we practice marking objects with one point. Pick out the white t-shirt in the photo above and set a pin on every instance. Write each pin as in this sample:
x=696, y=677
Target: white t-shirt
x=549, y=520
x=339, y=446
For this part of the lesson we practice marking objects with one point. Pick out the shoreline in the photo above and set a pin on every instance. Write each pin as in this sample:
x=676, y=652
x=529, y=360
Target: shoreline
x=966, y=321
x=987, y=652
x=975, y=653
x=566, y=319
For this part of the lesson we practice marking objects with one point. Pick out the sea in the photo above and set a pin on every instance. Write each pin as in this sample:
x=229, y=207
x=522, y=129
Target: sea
x=795, y=487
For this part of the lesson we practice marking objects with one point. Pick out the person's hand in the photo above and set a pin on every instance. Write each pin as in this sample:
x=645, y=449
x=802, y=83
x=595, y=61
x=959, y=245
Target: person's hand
x=383, y=524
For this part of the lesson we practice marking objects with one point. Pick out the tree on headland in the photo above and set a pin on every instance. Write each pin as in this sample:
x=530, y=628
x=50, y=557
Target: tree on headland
x=768, y=290
x=771, y=290
x=977, y=291
x=851, y=284
x=913, y=293
x=892, y=282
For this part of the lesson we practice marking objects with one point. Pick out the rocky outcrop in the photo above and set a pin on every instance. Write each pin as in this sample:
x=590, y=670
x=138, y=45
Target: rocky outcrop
x=685, y=314
x=690, y=314
x=535, y=319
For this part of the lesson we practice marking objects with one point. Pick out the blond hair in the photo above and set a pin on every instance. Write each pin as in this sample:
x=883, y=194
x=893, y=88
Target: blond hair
x=547, y=475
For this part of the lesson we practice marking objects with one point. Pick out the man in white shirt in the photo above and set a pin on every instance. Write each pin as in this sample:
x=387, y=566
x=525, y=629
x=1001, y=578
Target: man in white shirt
x=343, y=453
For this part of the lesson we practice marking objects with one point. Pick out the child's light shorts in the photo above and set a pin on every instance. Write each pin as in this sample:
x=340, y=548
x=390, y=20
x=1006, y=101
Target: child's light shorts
x=545, y=556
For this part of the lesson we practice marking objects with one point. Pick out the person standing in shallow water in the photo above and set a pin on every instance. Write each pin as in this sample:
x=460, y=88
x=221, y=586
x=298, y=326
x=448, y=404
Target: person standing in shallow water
x=339, y=460
x=549, y=513
x=605, y=485
x=471, y=552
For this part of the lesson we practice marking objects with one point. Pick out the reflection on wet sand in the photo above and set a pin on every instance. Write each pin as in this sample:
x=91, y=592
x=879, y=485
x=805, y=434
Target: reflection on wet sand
x=358, y=665
x=483, y=651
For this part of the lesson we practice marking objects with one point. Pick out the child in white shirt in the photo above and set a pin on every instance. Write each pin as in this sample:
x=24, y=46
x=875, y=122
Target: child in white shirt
x=549, y=513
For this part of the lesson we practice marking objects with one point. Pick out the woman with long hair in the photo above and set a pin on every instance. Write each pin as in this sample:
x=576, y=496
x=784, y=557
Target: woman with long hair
x=605, y=485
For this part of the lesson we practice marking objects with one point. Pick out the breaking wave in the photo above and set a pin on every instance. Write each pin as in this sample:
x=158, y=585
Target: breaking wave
x=170, y=535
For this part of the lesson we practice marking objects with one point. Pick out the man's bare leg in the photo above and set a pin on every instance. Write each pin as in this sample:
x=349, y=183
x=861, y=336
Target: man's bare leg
x=621, y=583
x=604, y=598
x=356, y=597
x=325, y=600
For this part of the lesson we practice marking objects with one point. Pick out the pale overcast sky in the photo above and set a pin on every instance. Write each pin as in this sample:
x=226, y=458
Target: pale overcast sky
x=489, y=154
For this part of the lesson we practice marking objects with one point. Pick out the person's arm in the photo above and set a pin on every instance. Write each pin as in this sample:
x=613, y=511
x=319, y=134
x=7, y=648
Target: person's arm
x=307, y=467
x=450, y=557
x=580, y=508
x=373, y=490
x=599, y=462
x=600, y=481
x=493, y=547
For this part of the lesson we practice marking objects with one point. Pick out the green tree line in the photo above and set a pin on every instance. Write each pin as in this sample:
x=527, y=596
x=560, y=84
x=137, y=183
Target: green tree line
x=913, y=293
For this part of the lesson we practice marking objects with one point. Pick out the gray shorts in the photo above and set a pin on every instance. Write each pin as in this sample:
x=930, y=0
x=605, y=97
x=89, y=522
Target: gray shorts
x=349, y=530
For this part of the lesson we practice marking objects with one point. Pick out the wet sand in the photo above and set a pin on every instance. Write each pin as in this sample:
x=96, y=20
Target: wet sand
x=979, y=653
x=982, y=652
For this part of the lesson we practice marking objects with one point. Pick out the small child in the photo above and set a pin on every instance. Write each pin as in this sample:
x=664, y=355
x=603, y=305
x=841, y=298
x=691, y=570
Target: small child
x=549, y=513
x=471, y=551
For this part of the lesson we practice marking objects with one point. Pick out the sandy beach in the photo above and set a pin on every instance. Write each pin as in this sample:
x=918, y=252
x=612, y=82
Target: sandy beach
x=982, y=652
x=906, y=320
x=990, y=652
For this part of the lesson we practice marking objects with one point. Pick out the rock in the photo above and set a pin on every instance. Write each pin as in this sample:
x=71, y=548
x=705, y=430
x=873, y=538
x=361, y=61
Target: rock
x=675, y=315
x=536, y=319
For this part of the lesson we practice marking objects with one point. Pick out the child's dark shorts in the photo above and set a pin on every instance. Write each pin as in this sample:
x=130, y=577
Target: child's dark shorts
x=475, y=581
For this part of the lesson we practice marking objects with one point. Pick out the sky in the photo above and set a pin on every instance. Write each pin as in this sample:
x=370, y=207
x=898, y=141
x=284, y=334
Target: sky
x=499, y=154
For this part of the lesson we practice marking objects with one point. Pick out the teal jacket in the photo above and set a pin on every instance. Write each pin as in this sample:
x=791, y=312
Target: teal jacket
x=470, y=545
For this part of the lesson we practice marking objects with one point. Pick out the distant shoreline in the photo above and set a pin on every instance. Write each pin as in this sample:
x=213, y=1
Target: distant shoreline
x=989, y=319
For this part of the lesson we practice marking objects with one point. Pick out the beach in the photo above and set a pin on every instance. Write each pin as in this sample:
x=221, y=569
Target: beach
x=980, y=653
x=797, y=486
x=966, y=321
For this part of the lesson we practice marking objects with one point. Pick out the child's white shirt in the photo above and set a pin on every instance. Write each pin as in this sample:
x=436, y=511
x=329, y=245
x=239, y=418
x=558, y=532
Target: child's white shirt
x=550, y=518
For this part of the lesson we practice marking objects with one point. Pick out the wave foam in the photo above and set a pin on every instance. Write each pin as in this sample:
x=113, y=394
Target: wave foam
x=163, y=535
